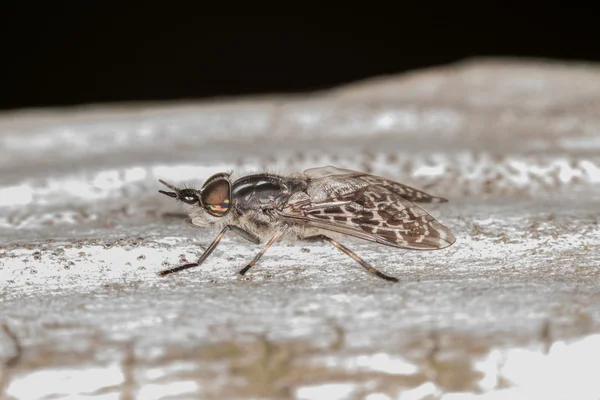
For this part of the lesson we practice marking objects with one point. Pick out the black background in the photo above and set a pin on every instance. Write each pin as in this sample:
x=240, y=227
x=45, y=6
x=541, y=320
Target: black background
x=98, y=52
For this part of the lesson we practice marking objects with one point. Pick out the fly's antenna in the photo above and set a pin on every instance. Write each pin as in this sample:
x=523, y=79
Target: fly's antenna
x=170, y=194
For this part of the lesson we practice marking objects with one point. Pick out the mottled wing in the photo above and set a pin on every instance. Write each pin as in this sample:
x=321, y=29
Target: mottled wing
x=374, y=213
x=404, y=191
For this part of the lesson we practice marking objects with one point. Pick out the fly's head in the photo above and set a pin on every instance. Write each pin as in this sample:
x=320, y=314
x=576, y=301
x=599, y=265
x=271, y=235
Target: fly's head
x=207, y=206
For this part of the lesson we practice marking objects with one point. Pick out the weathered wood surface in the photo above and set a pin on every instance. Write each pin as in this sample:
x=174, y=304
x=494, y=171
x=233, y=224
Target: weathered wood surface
x=512, y=309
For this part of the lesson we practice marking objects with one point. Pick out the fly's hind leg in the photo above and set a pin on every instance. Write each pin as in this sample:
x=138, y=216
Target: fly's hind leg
x=353, y=255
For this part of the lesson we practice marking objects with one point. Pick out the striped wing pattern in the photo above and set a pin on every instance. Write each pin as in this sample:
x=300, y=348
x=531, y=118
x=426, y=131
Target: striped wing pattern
x=370, y=208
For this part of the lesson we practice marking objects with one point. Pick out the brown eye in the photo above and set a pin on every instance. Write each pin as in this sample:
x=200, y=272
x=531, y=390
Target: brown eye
x=216, y=195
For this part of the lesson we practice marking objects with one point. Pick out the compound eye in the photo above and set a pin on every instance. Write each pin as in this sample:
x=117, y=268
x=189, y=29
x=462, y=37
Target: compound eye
x=189, y=197
x=216, y=196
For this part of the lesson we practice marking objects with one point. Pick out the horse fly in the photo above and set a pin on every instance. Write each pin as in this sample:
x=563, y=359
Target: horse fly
x=314, y=205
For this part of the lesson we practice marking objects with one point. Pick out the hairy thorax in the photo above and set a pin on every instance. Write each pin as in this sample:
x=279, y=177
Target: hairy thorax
x=258, y=198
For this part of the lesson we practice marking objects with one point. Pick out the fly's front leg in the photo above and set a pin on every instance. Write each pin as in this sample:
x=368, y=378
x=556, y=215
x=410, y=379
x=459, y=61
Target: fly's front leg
x=243, y=233
x=203, y=257
x=249, y=236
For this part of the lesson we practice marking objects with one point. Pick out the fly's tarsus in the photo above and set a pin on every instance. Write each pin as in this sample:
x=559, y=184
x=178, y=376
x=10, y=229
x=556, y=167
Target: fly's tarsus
x=177, y=269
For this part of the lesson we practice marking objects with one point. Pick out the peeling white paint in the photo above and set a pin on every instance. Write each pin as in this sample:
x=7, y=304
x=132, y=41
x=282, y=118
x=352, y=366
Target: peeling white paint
x=330, y=391
x=66, y=383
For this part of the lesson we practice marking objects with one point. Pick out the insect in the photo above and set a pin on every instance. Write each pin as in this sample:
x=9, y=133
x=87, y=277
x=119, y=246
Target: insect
x=314, y=205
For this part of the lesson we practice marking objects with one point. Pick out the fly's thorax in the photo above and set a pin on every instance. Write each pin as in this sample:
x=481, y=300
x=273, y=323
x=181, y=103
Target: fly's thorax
x=264, y=191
